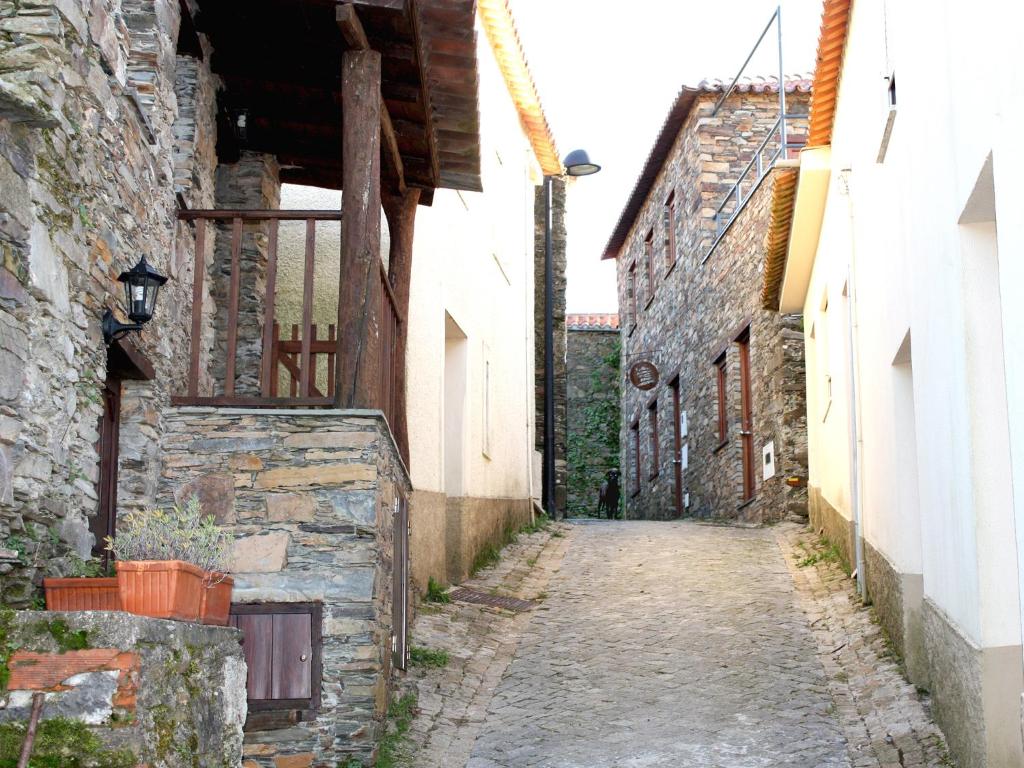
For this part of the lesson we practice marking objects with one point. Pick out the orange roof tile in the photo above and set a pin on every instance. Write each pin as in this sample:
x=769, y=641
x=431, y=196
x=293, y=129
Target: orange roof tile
x=835, y=23
x=592, y=322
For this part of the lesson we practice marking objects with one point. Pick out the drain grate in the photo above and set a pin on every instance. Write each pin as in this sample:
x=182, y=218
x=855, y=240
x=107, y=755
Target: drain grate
x=464, y=595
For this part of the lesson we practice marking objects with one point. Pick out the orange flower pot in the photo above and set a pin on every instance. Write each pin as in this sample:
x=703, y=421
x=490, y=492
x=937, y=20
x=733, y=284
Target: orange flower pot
x=216, y=603
x=82, y=594
x=161, y=589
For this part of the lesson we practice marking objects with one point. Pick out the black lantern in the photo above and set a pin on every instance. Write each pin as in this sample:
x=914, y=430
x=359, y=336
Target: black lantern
x=141, y=286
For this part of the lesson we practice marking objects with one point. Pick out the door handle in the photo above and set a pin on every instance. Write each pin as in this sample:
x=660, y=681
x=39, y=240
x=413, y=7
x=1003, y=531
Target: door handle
x=745, y=433
x=303, y=657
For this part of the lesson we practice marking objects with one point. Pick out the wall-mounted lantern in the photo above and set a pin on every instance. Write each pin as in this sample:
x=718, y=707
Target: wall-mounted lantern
x=141, y=286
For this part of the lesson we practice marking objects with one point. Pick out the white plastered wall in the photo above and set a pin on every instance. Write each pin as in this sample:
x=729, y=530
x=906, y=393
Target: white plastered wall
x=473, y=259
x=928, y=283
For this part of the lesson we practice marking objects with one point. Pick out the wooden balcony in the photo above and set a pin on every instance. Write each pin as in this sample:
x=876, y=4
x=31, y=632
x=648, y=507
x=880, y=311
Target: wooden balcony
x=243, y=356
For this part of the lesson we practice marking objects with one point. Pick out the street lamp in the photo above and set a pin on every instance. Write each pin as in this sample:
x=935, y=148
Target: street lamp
x=577, y=163
x=141, y=286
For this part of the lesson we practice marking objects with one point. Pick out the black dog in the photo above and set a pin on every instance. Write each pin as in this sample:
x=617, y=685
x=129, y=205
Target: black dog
x=608, y=496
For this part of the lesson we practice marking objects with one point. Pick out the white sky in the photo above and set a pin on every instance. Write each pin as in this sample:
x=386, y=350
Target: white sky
x=607, y=74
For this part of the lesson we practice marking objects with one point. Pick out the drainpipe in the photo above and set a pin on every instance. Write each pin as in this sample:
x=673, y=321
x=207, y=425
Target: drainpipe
x=856, y=434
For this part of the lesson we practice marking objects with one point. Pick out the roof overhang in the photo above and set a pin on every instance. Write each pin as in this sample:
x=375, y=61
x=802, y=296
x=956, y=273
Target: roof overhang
x=805, y=230
x=279, y=65
x=500, y=28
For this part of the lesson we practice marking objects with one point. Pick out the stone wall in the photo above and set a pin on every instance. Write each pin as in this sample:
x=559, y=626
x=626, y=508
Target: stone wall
x=172, y=694
x=311, y=495
x=592, y=386
x=97, y=133
x=558, y=255
x=693, y=311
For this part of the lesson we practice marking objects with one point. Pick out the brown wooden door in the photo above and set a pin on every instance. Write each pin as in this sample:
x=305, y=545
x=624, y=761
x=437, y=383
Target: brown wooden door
x=677, y=445
x=747, y=421
x=400, y=593
x=105, y=521
x=281, y=646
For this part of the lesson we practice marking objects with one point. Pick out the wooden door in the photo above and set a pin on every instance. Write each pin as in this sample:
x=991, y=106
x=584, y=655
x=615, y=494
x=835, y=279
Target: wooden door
x=281, y=646
x=677, y=444
x=747, y=418
x=400, y=592
x=105, y=521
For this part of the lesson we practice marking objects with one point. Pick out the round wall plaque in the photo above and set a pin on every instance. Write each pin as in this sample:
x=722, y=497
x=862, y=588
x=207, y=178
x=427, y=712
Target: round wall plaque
x=643, y=374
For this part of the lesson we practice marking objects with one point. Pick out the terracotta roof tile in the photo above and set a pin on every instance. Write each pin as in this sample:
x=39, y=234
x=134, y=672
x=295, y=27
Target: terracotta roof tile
x=592, y=322
x=835, y=22
x=783, y=200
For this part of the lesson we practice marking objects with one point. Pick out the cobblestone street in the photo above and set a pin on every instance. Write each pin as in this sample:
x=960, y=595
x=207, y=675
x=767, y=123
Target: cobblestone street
x=665, y=644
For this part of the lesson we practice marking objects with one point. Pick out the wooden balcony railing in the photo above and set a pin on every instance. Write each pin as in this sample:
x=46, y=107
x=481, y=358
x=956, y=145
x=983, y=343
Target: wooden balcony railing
x=287, y=370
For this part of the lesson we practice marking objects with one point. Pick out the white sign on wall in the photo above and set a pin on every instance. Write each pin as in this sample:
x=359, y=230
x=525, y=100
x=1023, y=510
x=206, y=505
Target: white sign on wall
x=684, y=455
x=768, y=459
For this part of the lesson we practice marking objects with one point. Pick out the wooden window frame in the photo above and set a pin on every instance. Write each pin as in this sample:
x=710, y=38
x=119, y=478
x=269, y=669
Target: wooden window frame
x=670, y=232
x=747, y=418
x=652, y=420
x=631, y=305
x=722, y=388
x=649, y=260
x=637, y=463
x=307, y=708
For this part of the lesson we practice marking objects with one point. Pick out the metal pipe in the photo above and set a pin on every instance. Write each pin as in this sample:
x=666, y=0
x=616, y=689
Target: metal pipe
x=548, y=475
x=782, y=86
x=753, y=50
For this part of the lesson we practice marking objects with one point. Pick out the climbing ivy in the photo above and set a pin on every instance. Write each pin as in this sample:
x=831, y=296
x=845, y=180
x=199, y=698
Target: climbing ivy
x=593, y=442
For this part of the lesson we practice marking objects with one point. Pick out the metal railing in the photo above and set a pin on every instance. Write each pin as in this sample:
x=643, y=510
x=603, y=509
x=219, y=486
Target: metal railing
x=774, y=145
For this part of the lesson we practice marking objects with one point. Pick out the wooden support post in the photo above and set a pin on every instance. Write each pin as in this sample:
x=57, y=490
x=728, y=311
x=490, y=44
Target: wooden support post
x=359, y=293
x=400, y=210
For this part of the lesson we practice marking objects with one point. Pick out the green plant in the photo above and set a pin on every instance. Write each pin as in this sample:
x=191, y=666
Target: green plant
x=66, y=639
x=79, y=568
x=399, y=719
x=428, y=657
x=827, y=553
x=487, y=557
x=61, y=743
x=593, y=432
x=540, y=523
x=183, y=533
x=436, y=593
x=351, y=762
x=17, y=544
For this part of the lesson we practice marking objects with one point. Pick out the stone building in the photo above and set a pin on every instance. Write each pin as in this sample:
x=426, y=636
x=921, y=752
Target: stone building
x=901, y=244
x=156, y=128
x=592, y=407
x=721, y=432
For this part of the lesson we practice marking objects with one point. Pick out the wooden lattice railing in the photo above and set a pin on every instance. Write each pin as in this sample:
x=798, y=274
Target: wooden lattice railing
x=290, y=372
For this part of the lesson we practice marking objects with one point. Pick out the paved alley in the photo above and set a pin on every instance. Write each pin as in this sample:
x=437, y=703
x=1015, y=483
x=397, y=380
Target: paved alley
x=666, y=644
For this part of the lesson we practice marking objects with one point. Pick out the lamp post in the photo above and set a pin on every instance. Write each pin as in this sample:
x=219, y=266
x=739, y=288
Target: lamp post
x=577, y=163
x=141, y=286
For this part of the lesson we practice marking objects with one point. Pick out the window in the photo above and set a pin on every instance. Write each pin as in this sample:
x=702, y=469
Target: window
x=747, y=416
x=281, y=645
x=723, y=421
x=652, y=416
x=670, y=231
x=631, y=296
x=649, y=258
x=635, y=430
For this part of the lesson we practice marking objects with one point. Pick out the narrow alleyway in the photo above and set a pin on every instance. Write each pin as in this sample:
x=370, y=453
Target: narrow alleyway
x=666, y=644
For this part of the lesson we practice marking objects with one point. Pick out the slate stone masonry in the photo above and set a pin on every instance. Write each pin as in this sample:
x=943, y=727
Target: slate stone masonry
x=694, y=310
x=170, y=692
x=311, y=496
x=592, y=387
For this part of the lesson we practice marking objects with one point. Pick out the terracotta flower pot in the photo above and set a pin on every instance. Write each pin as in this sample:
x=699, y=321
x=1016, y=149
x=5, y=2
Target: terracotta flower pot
x=216, y=603
x=161, y=589
x=82, y=594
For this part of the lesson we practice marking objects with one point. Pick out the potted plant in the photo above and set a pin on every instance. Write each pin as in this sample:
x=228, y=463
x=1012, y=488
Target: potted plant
x=86, y=588
x=210, y=549
x=167, y=562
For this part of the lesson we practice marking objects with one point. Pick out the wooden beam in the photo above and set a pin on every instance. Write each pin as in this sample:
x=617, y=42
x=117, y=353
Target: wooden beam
x=359, y=294
x=354, y=34
x=412, y=10
x=401, y=215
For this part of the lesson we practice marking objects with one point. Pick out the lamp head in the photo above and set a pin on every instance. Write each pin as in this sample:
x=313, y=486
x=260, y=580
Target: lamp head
x=577, y=163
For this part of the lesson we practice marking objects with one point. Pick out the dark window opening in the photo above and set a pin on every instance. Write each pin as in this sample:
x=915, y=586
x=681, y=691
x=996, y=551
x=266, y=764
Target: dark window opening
x=631, y=296
x=670, y=230
x=652, y=415
x=723, y=420
x=649, y=258
x=891, y=90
